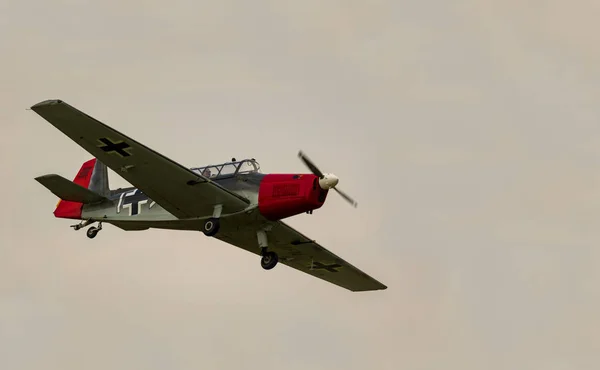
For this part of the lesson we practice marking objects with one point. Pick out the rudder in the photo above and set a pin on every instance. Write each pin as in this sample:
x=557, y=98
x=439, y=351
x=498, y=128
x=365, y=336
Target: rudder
x=99, y=180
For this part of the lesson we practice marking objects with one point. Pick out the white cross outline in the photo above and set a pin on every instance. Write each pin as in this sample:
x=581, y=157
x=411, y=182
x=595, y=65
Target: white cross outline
x=140, y=203
x=126, y=205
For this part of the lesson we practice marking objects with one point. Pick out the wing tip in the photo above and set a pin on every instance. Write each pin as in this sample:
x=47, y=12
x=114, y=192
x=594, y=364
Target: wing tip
x=41, y=178
x=46, y=103
x=370, y=289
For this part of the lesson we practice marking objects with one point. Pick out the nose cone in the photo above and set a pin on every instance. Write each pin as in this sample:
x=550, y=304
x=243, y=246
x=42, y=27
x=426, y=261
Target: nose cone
x=328, y=181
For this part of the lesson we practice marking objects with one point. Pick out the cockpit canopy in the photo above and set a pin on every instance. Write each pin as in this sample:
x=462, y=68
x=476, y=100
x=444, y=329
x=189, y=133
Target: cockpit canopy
x=228, y=169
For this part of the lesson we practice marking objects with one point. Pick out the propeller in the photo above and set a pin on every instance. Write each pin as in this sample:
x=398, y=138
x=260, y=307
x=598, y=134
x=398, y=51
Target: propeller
x=326, y=180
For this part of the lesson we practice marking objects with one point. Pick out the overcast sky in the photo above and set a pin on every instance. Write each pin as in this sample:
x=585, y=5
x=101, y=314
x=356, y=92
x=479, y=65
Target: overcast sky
x=468, y=132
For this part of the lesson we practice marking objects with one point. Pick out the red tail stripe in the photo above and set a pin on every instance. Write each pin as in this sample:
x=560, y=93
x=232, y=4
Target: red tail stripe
x=68, y=209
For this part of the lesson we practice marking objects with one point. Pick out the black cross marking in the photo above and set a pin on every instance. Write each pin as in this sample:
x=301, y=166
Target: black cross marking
x=110, y=147
x=330, y=268
x=135, y=205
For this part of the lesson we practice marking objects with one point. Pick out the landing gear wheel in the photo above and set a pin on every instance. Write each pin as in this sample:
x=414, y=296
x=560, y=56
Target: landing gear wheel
x=92, y=232
x=211, y=226
x=269, y=260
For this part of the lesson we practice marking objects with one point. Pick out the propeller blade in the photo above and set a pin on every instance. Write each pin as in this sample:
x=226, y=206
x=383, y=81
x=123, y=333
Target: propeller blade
x=317, y=172
x=310, y=165
x=345, y=196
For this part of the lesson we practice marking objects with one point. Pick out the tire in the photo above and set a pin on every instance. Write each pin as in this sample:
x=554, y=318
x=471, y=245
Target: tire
x=269, y=260
x=92, y=232
x=211, y=226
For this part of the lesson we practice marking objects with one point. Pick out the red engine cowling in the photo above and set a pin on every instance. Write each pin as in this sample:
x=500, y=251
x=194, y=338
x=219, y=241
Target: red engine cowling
x=285, y=195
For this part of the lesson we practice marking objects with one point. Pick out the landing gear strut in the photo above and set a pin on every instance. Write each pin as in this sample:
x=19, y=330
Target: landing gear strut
x=82, y=224
x=269, y=259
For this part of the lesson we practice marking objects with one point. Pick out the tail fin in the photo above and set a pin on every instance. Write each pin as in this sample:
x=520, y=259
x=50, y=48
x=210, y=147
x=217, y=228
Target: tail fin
x=99, y=180
x=92, y=175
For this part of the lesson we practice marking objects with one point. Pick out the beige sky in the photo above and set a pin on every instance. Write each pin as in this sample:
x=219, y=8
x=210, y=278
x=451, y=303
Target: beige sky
x=468, y=131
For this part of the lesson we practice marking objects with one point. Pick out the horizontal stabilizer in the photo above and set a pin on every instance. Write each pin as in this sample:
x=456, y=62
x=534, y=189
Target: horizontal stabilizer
x=68, y=190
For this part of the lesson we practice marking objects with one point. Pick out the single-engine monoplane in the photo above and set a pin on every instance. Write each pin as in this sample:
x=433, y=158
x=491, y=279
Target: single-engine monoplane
x=231, y=201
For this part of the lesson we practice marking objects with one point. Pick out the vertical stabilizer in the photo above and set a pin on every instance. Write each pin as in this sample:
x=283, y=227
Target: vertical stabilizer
x=99, y=180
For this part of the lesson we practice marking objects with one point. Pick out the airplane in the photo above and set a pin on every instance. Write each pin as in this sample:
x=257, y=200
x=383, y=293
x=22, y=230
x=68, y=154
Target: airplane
x=232, y=201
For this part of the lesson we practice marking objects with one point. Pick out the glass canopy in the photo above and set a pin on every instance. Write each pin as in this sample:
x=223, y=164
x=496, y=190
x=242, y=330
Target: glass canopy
x=228, y=169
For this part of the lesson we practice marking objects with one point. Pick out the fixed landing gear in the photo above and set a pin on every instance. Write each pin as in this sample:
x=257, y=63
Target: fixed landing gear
x=269, y=259
x=212, y=225
x=92, y=231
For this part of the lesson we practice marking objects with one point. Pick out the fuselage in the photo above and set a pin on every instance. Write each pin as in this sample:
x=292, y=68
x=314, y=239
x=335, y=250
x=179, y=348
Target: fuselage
x=270, y=197
x=130, y=204
x=275, y=196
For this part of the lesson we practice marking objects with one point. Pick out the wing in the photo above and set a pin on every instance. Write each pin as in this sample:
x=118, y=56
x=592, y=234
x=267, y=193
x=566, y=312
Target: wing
x=177, y=189
x=299, y=252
